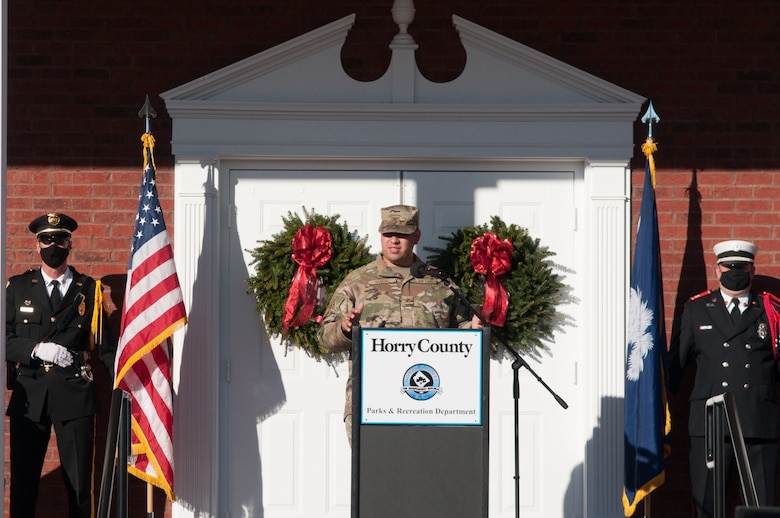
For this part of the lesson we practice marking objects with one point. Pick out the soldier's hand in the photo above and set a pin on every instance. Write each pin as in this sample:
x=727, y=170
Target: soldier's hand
x=476, y=323
x=352, y=318
x=53, y=353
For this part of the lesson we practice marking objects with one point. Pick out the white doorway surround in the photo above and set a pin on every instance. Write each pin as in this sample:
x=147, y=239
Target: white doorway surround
x=517, y=134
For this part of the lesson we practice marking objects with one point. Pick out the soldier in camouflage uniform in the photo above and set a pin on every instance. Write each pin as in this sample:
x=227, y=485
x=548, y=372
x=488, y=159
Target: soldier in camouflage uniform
x=384, y=293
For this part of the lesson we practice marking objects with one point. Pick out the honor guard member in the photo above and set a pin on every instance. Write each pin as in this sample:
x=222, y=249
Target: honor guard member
x=726, y=333
x=53, y=329
x=384, y=293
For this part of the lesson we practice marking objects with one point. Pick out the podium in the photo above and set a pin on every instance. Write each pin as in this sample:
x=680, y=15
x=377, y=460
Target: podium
x=420, y=422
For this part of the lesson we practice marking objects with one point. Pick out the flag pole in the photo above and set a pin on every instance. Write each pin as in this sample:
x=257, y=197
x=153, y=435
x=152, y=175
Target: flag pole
x=649, y=118
x=155, y=305
x=149, y=500
x=148, y=112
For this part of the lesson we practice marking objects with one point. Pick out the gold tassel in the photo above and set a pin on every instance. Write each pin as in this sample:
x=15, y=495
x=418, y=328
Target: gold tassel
x=148, y=141
x=648, y=148
x=96, y=338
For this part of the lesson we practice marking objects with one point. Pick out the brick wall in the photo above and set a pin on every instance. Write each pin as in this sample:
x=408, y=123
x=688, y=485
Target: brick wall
x=78, y=76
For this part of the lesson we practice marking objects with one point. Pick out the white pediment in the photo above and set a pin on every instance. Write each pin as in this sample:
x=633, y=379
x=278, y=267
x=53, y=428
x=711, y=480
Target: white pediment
x=509, y=97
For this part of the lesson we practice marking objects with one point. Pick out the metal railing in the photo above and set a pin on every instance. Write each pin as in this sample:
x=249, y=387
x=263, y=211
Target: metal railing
x=718, y=408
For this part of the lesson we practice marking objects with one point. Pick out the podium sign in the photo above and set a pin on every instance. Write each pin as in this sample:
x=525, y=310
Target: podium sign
x=420, y=422
x=413, y=376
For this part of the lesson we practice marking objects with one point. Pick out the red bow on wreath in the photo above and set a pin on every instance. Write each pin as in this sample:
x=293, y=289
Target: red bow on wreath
x=311, y=250
x=493, y=258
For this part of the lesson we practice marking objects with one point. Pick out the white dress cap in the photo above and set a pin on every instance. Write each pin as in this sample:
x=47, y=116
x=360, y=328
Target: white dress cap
x=735, y=251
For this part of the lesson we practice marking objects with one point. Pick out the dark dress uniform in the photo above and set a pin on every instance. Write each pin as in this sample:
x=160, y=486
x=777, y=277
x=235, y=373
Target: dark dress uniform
x=45, y=394
x=736, y=358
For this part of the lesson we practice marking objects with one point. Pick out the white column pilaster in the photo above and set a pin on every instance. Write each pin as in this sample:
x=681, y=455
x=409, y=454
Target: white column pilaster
x=606, y=273
x=196, y=353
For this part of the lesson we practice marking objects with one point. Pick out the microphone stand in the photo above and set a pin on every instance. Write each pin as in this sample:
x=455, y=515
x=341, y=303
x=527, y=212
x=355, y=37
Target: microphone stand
x=516, y=365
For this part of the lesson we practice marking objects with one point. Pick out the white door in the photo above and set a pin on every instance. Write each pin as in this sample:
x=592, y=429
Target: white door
x=551, y=441
x=282, y=434
x=283, y=447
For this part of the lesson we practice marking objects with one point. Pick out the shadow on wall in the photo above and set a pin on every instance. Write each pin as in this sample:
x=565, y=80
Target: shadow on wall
x=764, y=283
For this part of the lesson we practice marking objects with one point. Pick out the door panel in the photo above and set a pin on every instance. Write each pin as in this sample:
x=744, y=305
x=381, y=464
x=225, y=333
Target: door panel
x=543, y=202
x=283, y=433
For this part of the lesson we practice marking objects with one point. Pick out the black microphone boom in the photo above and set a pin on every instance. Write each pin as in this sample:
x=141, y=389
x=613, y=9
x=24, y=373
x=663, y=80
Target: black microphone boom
x=420, y=269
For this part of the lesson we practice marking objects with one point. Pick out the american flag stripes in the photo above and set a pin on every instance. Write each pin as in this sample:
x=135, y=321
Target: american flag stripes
x=153, y=309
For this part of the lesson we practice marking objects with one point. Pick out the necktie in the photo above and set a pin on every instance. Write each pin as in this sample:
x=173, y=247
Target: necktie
x=56, y=296
x=735, y=312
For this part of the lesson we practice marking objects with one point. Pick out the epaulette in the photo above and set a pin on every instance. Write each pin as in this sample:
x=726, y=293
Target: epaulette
x=700, y=295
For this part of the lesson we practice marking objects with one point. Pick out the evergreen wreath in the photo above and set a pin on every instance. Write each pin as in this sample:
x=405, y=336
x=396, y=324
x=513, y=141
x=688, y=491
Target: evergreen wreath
x=274, y=271
x=534, y=288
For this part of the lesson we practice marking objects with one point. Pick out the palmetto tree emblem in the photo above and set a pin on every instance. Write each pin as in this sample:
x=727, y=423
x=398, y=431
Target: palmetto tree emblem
x=640, y=339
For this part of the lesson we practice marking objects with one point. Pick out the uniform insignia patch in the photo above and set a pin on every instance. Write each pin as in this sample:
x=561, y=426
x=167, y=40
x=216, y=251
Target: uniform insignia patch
x=763, y=330
x=82, y=308
x=705, y=327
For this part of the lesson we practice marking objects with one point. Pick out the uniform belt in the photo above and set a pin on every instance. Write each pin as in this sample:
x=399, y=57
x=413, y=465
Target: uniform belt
x=80, y=362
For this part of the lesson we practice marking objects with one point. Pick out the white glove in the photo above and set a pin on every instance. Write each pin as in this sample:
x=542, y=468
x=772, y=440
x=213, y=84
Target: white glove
x=53, y=353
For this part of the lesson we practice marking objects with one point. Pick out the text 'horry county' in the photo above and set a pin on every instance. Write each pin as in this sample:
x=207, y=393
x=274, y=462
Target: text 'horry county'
x=424, y=345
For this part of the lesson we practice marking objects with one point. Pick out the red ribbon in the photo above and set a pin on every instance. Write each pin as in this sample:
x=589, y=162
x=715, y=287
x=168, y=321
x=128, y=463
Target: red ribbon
x=493, y=258
x=311, y=250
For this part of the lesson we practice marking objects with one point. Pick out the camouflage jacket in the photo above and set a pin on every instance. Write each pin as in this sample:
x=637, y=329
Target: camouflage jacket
x=390, y=300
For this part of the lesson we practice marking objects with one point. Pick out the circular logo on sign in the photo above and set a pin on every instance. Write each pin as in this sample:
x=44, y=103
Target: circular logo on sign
x=421, y=382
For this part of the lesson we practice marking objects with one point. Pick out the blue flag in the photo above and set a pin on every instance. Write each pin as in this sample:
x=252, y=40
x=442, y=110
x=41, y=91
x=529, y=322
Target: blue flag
x=647, y=419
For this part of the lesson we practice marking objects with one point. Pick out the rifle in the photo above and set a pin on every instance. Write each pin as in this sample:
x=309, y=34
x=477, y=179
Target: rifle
x=11, y=369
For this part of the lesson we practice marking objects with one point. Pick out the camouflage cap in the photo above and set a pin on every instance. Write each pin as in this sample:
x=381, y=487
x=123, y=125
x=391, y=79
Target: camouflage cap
x=399, y=219
x=53, y=222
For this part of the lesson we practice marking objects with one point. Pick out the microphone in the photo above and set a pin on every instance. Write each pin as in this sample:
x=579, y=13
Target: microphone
x=420, y=269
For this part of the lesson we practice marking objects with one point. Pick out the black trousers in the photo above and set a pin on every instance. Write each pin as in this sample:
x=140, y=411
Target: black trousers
x=762, y=455
x=76, y=447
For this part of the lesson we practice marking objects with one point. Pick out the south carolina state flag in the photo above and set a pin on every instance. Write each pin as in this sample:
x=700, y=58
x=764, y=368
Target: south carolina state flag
x=647, y=419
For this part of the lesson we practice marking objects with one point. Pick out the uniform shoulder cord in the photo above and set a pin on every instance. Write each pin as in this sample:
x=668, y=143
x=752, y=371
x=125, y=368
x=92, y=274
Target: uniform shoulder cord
x=96, y=337
x=771, y=303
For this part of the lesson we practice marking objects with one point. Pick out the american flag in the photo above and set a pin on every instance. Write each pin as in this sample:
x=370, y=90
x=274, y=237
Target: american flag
x=153, y=309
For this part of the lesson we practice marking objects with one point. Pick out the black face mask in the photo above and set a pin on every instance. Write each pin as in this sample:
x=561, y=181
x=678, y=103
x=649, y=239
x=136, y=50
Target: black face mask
x=735, y=279
x=54, y=256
